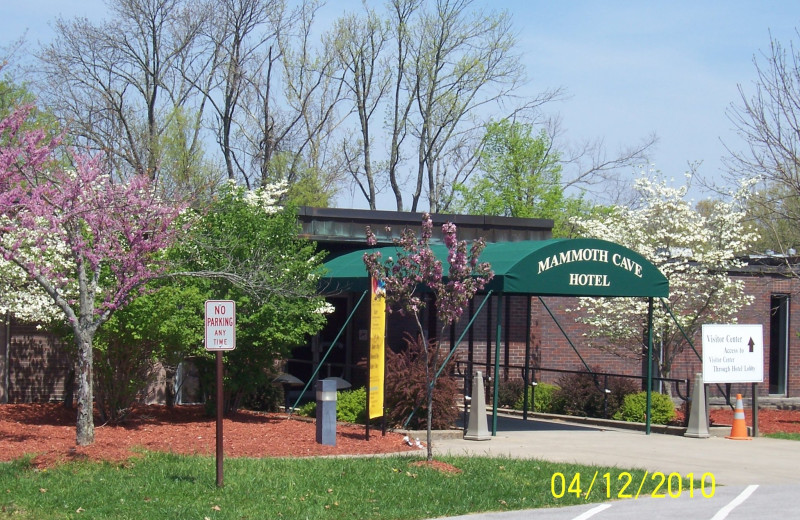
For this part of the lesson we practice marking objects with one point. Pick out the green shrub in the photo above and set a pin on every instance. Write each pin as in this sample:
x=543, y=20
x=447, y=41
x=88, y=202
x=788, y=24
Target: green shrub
x=582, y=395
x=662, y=409
x=351, y=406
x=542, y=398
x=308, y=410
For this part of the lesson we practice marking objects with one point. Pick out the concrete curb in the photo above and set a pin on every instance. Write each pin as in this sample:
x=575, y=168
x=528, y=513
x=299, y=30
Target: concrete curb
x=719, y=430
x=436, y=435
x=603, y=423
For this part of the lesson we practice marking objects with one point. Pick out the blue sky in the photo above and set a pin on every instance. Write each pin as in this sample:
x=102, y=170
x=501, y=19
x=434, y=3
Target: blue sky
x=630, y=68
x=633, y=68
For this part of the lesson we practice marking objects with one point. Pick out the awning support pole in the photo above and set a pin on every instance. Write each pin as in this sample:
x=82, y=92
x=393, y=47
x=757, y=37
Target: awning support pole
x=498, y=335
x=691, y=344
x=526, y=377
x=450, y=354
x=333, y=344
x=461, y=337
x=565, y=334
x=688, y=339
x=649, y=364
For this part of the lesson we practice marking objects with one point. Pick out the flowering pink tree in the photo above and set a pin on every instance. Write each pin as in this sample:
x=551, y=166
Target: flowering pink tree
x=416, y=269
x=88, y=243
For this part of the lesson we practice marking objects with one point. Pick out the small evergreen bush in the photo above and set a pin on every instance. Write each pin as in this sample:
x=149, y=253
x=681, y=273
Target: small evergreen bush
x=662, y=409
x=541, y=400
x=351, y=406
x=308, y=410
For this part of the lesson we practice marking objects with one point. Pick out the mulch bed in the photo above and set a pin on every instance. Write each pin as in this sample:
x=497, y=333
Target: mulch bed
x=48, y=431
x=769, y=421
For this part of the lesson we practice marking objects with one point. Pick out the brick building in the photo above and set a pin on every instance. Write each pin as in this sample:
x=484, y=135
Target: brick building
x=543, y=330
x=34, y=366
x=537, y=331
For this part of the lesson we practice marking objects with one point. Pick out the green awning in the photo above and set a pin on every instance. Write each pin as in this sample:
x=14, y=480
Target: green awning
x=562, y=267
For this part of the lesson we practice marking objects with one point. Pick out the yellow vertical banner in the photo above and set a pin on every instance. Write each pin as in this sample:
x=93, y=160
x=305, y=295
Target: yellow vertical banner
x=377, y=330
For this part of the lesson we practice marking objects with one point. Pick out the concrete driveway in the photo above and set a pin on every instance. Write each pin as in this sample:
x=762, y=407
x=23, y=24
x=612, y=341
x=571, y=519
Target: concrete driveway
x=760, y=475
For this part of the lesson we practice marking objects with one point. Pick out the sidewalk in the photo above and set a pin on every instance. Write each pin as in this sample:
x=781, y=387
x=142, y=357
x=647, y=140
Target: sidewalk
x=758, y=461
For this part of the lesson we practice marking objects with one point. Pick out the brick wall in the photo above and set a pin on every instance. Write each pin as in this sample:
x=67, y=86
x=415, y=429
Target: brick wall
x=3, y=364
x=38, y=365
x=548, y=345
x=763, y=288
x=550, y=349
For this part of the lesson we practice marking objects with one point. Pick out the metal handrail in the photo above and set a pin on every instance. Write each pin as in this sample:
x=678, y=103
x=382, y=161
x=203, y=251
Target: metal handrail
x=606, y=375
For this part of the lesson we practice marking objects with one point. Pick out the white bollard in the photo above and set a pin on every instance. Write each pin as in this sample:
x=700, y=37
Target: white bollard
x=698, y=416
x=477, y=429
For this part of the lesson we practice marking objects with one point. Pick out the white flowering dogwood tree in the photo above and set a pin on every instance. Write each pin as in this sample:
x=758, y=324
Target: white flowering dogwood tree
x=694, y=249
x=87, y=243
x=23, y=298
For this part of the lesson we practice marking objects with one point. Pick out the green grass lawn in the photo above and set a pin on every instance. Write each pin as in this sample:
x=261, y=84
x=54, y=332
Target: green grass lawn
x=160, y=485
x=787, y=436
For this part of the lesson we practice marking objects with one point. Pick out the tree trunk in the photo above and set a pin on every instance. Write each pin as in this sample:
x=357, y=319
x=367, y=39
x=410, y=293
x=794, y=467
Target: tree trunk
x=430, y=420
x=664, y=371
x=84, y=428
x=429, y=383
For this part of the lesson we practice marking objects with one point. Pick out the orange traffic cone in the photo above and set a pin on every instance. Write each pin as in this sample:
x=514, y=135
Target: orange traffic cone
x=739, y=428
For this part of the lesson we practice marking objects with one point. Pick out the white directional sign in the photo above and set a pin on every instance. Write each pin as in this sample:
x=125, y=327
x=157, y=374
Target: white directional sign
x=220, y=325
x=733, y=354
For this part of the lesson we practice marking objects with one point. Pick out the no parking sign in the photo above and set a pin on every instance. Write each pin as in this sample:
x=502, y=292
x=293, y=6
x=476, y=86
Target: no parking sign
x=220, y=325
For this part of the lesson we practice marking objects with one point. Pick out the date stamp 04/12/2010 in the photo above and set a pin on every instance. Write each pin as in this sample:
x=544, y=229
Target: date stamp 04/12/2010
x=623, y=485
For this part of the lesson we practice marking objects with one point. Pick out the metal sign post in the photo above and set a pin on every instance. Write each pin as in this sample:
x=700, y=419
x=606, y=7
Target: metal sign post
x=220, y=327
x=220, y=413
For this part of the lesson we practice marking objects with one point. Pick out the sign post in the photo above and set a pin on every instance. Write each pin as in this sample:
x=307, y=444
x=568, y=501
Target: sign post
x=220, y=335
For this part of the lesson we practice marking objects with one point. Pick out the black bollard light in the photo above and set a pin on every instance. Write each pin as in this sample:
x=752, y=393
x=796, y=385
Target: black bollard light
x=326, y=412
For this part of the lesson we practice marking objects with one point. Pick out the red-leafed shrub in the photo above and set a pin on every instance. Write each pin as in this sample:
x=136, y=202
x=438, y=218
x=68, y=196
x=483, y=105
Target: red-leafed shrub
x=405, y=388
x=582, y=394
x=509, y=392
